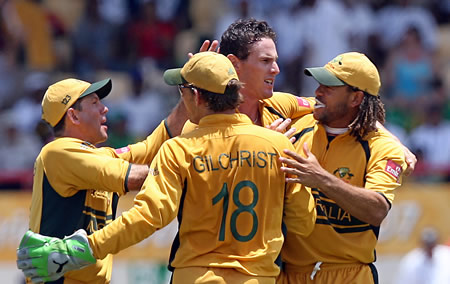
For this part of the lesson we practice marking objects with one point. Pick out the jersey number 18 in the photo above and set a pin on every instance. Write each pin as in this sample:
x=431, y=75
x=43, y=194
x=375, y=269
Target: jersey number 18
x=224, y=194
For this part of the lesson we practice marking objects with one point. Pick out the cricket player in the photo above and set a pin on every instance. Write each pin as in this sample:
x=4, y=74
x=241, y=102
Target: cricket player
x=76, y=184
x=222, y=181
x=250, y=46
x=352, y=169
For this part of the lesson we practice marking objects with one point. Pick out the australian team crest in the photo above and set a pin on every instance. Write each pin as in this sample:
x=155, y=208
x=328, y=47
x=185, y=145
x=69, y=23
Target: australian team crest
x=343, y=173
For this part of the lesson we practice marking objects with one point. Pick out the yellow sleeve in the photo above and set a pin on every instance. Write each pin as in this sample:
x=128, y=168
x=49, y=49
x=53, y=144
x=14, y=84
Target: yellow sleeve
x=299, y=214
x=299, y=210
x=155, y=206
x=290, y=105
x=77, y=168
x=143, y=152
x=385, y=167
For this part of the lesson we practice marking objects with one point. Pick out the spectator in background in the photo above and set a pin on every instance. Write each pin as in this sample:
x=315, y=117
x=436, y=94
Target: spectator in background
x=119, y=135
x=431, y=142
x=152, y=37
x=8, y=67
x=27, y=109
x=410, y=72
x=28, y=22
x=203, y=16
x=115, y=12
x=18, y=151
x=327, y=33
x=93, y=41
x=288, y=24
x=144, y=107
x=394, y=19
x=362, y=20
x=427, y=264
x=232, y=12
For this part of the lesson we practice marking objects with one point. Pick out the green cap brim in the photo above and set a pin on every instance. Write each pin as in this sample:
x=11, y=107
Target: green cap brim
x=101, y=88
x=324, y=77
x=173, y=77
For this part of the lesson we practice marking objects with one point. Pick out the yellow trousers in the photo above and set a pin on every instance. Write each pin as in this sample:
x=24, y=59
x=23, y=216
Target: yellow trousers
x=329, y=273
x=209, y=275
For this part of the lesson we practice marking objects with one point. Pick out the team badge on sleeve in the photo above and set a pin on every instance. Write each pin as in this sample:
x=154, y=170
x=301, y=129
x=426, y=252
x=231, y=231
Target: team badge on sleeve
x=302, y=102
x=122, y=150
x=393, y=169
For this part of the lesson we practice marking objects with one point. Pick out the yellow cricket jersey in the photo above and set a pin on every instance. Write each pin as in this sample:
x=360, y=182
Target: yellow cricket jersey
x=76, y=186
x=285, y=105
x=280, y=105
x=376, y=163
x=223, y=182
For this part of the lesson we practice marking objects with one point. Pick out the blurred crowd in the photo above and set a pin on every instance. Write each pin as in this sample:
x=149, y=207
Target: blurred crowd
x=134, y=41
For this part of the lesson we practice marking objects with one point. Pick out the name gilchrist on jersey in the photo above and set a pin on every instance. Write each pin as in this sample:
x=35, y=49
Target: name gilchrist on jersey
x=242, y=158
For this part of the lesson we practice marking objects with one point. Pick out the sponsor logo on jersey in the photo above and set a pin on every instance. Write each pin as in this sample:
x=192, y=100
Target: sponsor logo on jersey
x=302, y=102
x=122, y=150
x=393, y=169
x=344, y=174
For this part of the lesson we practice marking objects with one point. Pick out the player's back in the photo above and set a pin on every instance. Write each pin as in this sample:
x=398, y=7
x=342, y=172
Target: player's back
x=231, y=209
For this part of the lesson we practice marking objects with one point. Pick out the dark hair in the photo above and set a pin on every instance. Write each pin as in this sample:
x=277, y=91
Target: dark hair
x=222, y=102
x=242, y=34
x=59, y=127
x=371, y=110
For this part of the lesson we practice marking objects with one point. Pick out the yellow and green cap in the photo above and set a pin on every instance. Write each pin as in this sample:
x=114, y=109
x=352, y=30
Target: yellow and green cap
x=60, y=96
x=351, y=68
x=210, y=71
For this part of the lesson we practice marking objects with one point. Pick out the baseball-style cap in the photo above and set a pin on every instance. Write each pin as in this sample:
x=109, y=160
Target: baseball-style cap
x=207, y=70
x=351, y=68
x=60, y=96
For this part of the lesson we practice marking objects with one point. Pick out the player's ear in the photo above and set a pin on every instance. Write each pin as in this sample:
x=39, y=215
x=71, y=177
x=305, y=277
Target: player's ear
x=235, y=61
x=356, y=98
x=197, y=98
x=72, y=116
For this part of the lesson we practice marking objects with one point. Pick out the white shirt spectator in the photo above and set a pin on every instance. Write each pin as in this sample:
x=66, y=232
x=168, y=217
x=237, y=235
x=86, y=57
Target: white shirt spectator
x=427, y=264
x=327, y=33
x=394, y=20
x=433, y=141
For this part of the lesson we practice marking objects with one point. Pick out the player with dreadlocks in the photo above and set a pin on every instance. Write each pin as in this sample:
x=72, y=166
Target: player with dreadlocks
x=352, y=168
x=371, y=110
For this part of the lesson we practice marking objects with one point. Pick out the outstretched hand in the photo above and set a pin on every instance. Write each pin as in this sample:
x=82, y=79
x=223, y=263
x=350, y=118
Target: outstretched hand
x=305, y=170
x=411, y=161
x=281, y=125
x=207, y=46
x=44, y=259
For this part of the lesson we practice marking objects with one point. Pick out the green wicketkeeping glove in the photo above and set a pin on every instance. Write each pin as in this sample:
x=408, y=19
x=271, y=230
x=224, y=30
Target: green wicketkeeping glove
x=45, y=258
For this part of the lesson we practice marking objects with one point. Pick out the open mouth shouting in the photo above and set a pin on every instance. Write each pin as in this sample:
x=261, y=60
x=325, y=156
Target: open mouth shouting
x=269, y=81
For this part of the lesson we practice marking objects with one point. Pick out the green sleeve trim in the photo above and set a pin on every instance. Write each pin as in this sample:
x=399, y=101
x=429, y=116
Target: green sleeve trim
x=388, y=201
x=167, y=128
x=126, y=178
